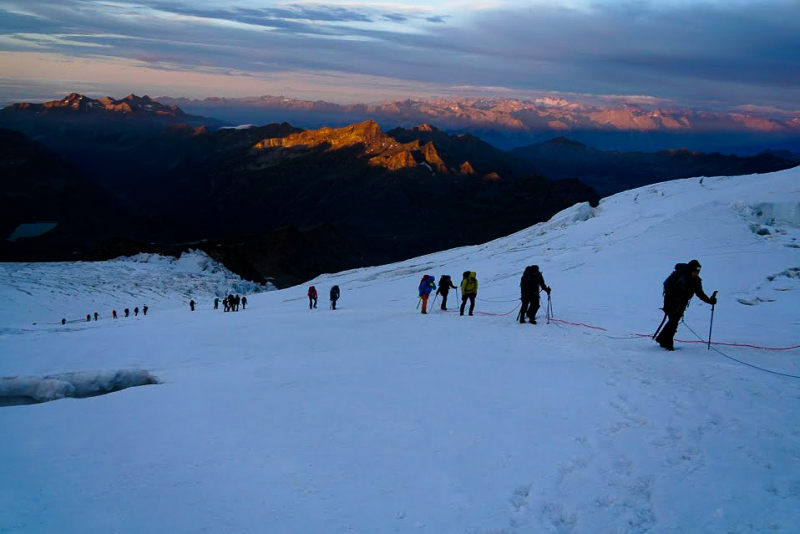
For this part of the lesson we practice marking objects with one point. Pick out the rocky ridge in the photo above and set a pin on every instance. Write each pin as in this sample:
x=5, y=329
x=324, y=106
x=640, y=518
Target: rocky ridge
x=78, y=103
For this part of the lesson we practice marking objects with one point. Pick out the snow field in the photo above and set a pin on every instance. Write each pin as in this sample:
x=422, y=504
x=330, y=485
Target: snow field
x=375, y=418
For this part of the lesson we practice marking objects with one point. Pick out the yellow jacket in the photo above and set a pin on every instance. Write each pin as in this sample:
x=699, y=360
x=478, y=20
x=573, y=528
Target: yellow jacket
x=469, y=286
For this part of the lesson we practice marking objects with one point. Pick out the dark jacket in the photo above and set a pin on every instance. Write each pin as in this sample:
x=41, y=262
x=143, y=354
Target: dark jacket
x=686, y=287
x=334, y=292
x=530, y=283
x=445, y=285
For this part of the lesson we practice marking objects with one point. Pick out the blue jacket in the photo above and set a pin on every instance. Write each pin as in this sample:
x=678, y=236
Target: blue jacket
x=427, y=285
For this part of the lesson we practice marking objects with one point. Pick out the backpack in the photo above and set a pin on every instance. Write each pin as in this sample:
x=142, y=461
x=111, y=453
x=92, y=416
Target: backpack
x=471, y=286
x=671, y=282
x=334, y=292
x=530, y=280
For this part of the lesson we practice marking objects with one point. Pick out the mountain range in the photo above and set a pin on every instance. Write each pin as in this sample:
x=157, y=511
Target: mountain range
x=76, y=104
x=509, y=123
x=277, y=202
x=283, y=204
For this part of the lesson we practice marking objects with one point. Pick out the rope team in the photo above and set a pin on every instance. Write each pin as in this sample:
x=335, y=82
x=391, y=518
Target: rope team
x=679, y=288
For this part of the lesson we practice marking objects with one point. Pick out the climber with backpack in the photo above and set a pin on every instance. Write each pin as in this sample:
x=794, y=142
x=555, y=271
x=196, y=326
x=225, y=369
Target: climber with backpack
x=312, y=297
x=679, y=288
x=426, y=286
x=530, y=284
x=469, y=290
x=445, y=285
x=334, y=296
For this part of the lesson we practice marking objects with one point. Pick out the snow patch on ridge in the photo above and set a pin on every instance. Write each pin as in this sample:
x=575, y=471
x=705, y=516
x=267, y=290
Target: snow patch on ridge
x=776, y=284
x=771, y=213
x=18, y=390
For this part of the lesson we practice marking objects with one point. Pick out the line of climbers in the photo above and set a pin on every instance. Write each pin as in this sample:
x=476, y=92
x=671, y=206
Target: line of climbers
x=113, y=314
x=313, y=296
x=679, y=288
x=469, y=290
x=229, y=303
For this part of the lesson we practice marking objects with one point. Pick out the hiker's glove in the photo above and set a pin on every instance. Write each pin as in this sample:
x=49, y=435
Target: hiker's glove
x=712, y=300
x=548, y=290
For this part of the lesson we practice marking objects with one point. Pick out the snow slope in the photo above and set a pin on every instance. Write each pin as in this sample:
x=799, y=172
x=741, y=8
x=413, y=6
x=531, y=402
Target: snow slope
x=48, y=292
x=375, y=418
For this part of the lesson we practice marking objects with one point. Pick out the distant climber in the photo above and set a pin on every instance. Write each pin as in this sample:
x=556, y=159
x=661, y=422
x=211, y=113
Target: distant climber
x=216, y=303
x=88, y=317
x=191, y=304
x=312, y=297
x=469, y=290
x=225, y=305
x=334, y=296
x=114, y=314
x=96, y=316
x=244, y=303
x=127, y=312
x=426, y=286
x=136, y=311
x=529, y=285
x=144, y=310
x=445, y=285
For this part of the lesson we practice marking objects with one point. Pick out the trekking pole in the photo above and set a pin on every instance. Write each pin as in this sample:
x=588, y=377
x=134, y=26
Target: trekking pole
x=433, y=306
x=549, y=308
x=419, y=302
x=662, y=324
x=713, y=296
x=519, y=315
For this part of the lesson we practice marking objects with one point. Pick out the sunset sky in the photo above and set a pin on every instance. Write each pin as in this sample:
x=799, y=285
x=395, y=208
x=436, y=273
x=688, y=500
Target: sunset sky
x=711, y=53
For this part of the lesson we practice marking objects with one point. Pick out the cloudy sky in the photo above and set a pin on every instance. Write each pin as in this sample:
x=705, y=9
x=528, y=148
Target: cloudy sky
x=710, y=53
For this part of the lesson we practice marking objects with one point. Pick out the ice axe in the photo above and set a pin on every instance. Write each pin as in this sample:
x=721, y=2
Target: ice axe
x=659, y=326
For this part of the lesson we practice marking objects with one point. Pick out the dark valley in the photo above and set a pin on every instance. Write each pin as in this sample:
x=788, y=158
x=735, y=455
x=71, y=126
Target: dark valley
x=285, y=204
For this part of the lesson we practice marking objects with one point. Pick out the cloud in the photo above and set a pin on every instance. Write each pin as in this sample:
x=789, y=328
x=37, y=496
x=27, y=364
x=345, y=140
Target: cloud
x=739, y=52
x=394, y=17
